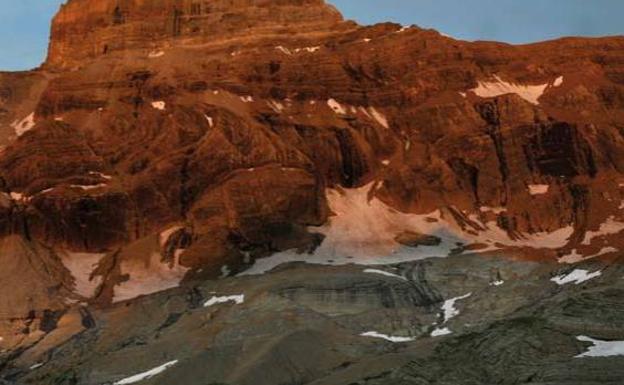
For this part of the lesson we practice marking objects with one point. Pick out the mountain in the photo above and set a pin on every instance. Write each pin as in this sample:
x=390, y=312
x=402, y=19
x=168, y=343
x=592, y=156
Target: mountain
x=182, y=176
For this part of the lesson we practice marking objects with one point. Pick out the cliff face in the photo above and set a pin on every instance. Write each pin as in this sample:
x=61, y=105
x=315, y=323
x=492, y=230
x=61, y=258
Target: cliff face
x=170, y=140
x=84, y=30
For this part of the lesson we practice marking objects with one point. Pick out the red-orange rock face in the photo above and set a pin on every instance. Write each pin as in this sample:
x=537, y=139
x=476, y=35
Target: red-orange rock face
x=84, y=30
x=230, y=119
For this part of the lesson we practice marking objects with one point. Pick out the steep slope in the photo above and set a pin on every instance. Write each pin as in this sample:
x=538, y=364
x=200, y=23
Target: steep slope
x=165, y=142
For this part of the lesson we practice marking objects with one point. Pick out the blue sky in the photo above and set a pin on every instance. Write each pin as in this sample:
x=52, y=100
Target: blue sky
x=24, y=24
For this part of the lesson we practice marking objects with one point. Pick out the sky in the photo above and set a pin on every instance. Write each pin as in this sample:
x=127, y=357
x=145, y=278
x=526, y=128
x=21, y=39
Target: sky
x=24, y=24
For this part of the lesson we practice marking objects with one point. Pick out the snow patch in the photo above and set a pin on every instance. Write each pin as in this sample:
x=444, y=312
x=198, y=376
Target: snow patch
x=603, y=251
x=19, y=197
x=575, y=257
x=101, y=175
x=495, y=210
x=610, y=227
x=308, y=49
x=438, y=332
x=602, y=348
x=337, y=107
x=497, y=87
x=497, y=283
x=24, y=125
x=144, y=280
x=88, y=187
x=558, y=82
x=538, y=189
x=146, y=375
x=156, y=54
x=209, y=120
x=284, y=50
x=159, y=105
x=247, y=99
x=363, y=230
x=81, y=266
x=386, y=337
x=379, y=117
x=276, y=106
x=383, y=272
x=577, y=277
x=449, y=307
x=237, y=299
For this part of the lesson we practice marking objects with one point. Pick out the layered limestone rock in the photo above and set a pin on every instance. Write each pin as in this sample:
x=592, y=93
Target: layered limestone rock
x=84, y=30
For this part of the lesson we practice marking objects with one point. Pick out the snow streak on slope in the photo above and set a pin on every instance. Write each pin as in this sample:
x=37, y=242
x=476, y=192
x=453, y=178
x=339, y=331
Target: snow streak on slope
x=215, y=300
x=386, y=337
x=385, y=273
x=146, y=375
x=364, y=230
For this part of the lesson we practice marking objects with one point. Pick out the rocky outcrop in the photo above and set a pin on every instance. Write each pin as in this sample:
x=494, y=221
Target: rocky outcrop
x=83, y=30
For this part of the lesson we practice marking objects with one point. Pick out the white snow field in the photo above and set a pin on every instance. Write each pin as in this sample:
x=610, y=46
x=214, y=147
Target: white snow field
x=577, y=277
x=498, y=87
x=363, y=230
x=602, y=348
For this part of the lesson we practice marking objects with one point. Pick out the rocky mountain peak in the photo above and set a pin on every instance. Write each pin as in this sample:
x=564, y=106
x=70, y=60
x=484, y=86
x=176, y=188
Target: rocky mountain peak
x=87, y=29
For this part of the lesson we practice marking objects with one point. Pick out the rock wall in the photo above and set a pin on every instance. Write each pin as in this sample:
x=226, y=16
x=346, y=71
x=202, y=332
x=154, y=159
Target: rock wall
x=85, y=29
